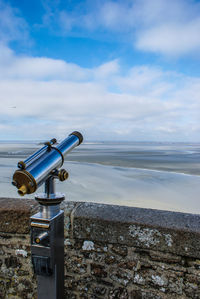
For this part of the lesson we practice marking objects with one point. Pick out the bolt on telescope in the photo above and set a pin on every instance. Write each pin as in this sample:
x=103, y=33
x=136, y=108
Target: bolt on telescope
x=43, y=164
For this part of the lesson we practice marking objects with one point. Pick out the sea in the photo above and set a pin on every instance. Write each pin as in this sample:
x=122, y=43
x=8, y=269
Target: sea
x=156, y=175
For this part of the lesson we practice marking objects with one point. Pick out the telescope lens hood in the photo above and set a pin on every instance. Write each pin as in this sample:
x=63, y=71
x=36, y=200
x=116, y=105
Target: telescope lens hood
x=79, y=135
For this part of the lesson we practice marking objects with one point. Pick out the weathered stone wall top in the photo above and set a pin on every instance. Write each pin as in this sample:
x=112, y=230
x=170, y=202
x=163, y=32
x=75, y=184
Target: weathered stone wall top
x=149, y=217
x=172, y=232
x=15, y=214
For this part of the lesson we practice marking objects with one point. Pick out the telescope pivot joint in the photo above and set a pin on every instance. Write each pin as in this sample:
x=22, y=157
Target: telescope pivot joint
x=60, y=174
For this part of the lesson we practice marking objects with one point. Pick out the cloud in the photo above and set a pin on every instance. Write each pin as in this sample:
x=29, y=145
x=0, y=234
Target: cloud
x=37, y=68
x=159, y=26
x=170, y=28
x=12, y=26
x=107, y=69
x=41, y=98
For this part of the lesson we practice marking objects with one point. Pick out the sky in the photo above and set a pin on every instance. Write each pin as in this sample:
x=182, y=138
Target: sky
x=123, y=70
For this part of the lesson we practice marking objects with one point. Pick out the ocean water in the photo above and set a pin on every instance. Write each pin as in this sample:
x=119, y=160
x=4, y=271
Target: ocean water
x=142, y=174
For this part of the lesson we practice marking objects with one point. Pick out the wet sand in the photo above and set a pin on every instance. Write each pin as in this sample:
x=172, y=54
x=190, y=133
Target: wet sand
x=152, y=176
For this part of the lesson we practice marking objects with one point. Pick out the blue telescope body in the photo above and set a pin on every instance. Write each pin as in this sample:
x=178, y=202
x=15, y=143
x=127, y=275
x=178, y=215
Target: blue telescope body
x=37, y=168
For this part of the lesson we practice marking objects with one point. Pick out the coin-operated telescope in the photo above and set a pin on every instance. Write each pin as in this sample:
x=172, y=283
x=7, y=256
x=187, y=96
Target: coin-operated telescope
x=47, y=226
x=43, y=164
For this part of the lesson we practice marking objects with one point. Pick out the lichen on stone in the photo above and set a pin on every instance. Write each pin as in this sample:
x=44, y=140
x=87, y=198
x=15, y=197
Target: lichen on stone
x=21, y=252
x=138, y=279
x=88, y=245
x=146, y=236
x=160, y=281
x=168, y=240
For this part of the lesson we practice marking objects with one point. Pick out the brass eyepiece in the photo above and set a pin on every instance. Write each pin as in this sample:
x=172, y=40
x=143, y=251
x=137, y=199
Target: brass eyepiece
x=22, y=190
x=24, y=182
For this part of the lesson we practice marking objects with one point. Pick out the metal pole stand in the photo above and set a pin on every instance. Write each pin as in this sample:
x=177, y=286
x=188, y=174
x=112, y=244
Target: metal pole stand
x=47, y=243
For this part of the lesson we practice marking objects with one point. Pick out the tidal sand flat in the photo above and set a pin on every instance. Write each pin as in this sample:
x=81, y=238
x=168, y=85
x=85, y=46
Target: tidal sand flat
x=151, y=175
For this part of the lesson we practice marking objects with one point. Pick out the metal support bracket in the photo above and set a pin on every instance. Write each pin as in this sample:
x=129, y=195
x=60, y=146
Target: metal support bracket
x=47, y=250
x=47, y=244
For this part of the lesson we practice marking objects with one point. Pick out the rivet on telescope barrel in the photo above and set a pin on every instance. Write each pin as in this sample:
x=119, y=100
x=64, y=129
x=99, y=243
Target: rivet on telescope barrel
x=42, y=163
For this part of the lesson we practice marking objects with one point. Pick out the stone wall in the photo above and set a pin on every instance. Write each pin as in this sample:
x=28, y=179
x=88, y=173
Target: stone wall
x=110, y=252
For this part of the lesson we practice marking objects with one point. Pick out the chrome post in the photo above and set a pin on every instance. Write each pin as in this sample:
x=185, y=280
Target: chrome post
x=49, y=186
x=47, y=243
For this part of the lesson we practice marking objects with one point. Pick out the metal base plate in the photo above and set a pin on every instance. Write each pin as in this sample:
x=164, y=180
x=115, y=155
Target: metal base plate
x=53, y=199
